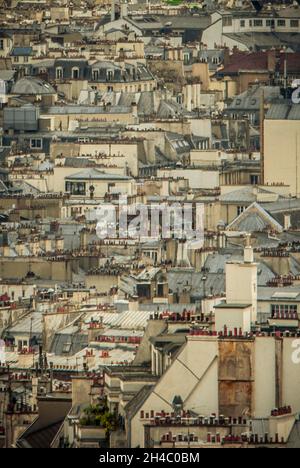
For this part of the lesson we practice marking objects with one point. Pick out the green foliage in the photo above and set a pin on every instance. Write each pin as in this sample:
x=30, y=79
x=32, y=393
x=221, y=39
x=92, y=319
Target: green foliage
x=98, y=415
x=174, y=2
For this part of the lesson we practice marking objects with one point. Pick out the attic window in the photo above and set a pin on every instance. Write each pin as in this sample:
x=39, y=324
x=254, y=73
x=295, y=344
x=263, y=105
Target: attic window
x=109, y=75
x=95, y=75
x=66, y=348
x=59, y=73
x=75, y=73
x=241, y=209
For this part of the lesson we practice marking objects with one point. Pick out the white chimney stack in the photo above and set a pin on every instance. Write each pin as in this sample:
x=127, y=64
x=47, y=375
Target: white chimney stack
x=248, y=251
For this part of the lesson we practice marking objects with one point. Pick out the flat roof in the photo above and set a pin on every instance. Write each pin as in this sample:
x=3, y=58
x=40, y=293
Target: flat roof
x=225, y=305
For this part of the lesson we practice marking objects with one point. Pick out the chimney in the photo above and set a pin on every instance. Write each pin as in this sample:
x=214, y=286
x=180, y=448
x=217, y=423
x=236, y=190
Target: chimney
x=287, y=222
x=248, y=251
x=262, y=137
x=134, y=110
x=113, y=10
x=226, y=56
x=123, y=9
x=281, y=426
x=271, y=58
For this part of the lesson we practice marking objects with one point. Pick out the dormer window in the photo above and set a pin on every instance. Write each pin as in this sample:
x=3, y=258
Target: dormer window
x=109, y=75
x=75, y=73
x=59, y=73
x=95, y=75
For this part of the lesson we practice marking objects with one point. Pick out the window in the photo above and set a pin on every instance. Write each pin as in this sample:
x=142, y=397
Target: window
x=25, y=59
x=1, y=44
x=59, y=73
x=281, y=23
x=294, y=23
x=283, y=309
x=66, y=348
x=109, y=75
x=76, y=188
x=36, y=143
x=95, y=75
x=270, y=23
x=240, y=210
x=254, y=179
x=227, y=21
x=160, y=290
x=243, y=23
x=258, y=23
x=16, y=59
x=75, y=73
x=186, y=59
x=144, y=290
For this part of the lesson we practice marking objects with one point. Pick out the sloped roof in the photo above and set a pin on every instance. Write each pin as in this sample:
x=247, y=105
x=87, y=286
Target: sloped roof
x=7, y=75
x=254, y=219
x=251, y=99
x=135, y=403
x=25, y=187
x=258, y=61
x=21, y=51
x=284, y=111
x=94, y=174
x=32, y=322
x=144, y=100
x=32, y=86
x=243, y=195
x=42, y=438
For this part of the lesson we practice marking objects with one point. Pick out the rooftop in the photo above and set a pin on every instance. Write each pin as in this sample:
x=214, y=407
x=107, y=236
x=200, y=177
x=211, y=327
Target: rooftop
x=94, y=174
